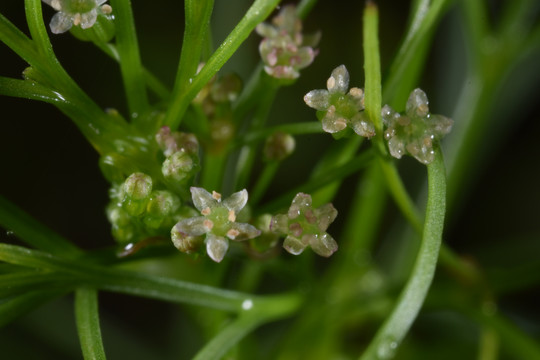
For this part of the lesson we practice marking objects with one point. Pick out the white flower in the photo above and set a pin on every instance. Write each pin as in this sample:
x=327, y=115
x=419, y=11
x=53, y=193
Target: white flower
x=81, y=13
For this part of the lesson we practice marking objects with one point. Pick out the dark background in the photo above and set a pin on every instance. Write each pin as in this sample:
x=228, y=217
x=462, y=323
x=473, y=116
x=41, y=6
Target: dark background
x=50, y=171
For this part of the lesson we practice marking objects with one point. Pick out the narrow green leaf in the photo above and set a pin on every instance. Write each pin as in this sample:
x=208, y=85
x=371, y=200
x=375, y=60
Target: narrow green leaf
x=33, y=232
x=17, y=41
x=411, y=56
x=255, y=14
x=197, y=13
x=87, y=317
x=396, y=326
x=130, y=59
x=34, y=18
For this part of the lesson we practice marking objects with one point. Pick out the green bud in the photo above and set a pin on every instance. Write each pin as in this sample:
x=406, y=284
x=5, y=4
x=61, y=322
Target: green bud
x=278, y=146
x=123, y=229
x=136, y=193
x=178, y=167
x=101, y=32
x=160, y=209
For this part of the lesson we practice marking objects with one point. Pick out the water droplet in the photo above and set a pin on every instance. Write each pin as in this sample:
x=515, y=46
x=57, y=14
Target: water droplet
x=387, y=348
x=190, y=80
x=247, y=304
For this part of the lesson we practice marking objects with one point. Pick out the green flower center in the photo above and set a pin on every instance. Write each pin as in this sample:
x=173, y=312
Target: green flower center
x=78, y=6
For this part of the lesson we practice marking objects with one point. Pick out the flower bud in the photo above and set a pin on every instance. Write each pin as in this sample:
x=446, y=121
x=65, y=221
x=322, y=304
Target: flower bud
x=178, y=167
x=160, y=209
x=278, y=146
x=136, y=192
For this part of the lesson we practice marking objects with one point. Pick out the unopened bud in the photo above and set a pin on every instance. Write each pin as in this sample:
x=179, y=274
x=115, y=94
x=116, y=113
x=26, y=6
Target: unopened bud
x=136, y=190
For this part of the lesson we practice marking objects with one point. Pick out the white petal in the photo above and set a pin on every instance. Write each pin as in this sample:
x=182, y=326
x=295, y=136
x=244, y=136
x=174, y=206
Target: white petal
x=324, y=244
x=326, y=215
x=192, y=226
x=60, y=23
x=202, y=199
x=88, y=19
x=99, y=2
x=417, y=103
x=339, y=80
x=317, y=99
x=216, y=247
x=236, y=201
x=246, y=231
x=293, y=245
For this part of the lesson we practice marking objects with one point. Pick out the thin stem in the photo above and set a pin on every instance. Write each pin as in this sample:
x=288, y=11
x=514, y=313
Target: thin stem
x=265, y=179
x=130, y=60
x=396, y=326
x=256, y=14
x=197, y=13
x=328, y=177
x=17, y=41
x=20, y=305
x=87, y=317
x=38, y=32
x=304, y=128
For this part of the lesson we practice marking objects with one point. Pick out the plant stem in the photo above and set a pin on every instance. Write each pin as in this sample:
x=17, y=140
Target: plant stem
x=255, y=14
x=87, y=317
x=197, y=23
x=396, y=326
x=130, y=59
x=264, y=180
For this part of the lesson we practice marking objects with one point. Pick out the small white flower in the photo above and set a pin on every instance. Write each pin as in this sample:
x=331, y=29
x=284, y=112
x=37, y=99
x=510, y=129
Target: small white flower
x=81, y=13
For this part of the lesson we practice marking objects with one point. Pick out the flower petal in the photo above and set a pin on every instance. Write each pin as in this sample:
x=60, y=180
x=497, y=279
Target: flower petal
x=440, y=125
x=216, y=247
x=192, y=226
x=245, y=231
x=293, y=245
x=326, y=215
x=60, y=23
x=317, y=99
x=332, y=122
x=362, y=126
x=417, y=104
x=88, y=19
x=202, y=199
x=324, y=244
x=300, y=203
x=339, y=80
x=236, y=201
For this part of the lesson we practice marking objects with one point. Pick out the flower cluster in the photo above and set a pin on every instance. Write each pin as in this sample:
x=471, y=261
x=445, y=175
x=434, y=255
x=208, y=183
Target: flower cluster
x=339, y=109
x=81, y=13
x=217, y=223
x=284, y=49
x=303, y=226
x=415, y=131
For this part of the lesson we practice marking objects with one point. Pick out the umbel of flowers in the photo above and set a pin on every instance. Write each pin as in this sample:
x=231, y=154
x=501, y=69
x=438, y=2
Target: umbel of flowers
x=338, y=107
x=284, y=49
x=305, y=226
x=81, y=13
x=415, y=131
x=217, y=223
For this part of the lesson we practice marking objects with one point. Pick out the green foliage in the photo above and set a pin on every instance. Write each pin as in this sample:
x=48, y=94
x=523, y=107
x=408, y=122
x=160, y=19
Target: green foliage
x=175, y=146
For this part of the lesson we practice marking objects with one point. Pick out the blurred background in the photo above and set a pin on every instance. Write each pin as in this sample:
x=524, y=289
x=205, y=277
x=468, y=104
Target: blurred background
x=50, y=171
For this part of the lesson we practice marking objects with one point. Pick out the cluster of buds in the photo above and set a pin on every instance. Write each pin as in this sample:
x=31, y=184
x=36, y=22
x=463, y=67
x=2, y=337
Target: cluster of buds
x=215, y=100
x=83, y=13
x=415, y=131
x=181, y=156
x=137, y=210
x=284, y=49
x=304, y=226
x=217, y=223
x=339, y=108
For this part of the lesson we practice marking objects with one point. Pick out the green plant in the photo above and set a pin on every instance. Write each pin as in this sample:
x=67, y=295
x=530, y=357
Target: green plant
x=169, y=153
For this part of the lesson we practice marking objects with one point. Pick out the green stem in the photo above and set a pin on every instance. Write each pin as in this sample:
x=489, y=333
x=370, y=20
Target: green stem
x=212, y=170
x=197, y=13
x=152, y=81
x=265, y=179
x=87, y=317
x=396, y=326
x=130, y=60
x=17, y=41
x=256, y=14
x=139, y=284
x=326, y=178
x=489, y=344
x=304, y=128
